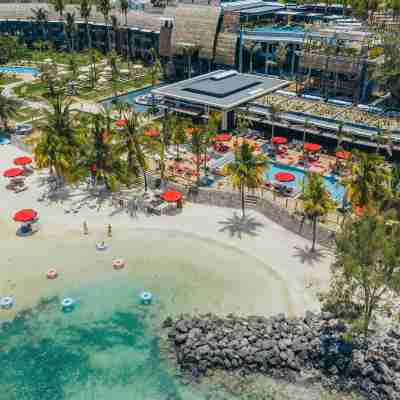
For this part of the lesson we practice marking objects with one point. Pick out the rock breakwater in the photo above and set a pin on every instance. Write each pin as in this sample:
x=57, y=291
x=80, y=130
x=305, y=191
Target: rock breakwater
x=290, y=349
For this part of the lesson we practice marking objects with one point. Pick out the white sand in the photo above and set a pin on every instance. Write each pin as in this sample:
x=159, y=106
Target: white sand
x=269, y=267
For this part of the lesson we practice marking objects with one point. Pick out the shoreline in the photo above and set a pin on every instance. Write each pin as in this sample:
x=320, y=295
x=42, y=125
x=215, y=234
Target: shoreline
x=282, y=253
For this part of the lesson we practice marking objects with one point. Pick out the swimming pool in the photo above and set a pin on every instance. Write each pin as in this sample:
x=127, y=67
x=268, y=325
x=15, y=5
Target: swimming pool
x=335, y=188
x=19, y=70
x=284, y=29
x=4, y=140
x=130, y=99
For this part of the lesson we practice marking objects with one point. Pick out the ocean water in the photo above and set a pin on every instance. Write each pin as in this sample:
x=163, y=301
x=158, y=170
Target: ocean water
x=108, y=347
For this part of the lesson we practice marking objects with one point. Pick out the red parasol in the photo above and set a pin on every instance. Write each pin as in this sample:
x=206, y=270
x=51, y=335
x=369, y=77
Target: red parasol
x=201, y=158
x=24, y=160
x=312, y=147
x=223, y=137
x=25, y=215
x=13, y=172
x=279, y=140
x=152, y=132
x=343, y=155
x=171, y=196
x=121, y=122
x=284, y=177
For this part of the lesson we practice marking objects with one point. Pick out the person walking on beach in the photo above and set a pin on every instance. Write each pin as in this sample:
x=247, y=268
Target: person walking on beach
x=85, y=228
x=109, y=230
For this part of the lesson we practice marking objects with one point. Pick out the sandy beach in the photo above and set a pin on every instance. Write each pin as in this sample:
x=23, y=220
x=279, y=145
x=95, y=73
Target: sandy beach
x=199, y=261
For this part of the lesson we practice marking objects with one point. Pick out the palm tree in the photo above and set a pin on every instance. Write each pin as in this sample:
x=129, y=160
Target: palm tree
x=252, y=48
x=339, y=135
x=210, y=131
x=306, y=125
x=73, y=67
x=59, y=6
x=369, y=182
x=317, y=202
x=133, y=138
x=247, y=170
x=274, y=110
x=179, y=136
x=116, y=32
x=58, y=146
x=124, y=7
x=155, y=70
x=197, y=148
x=280, y=56
x=165, y=139
x=8, y=109
x=70, y=30
x=94, y=57
x=106, y=155
x=40, y=16
x=242, y=122
x=85, y=11
x=104, y=7
x=189, y=50
x=48, y=75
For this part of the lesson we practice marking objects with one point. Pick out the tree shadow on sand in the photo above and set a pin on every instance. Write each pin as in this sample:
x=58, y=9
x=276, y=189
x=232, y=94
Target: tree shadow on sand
x=238, y=226
x=306, y=256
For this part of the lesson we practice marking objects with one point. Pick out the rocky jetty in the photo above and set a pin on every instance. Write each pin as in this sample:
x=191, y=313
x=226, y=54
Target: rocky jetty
x=291, y=349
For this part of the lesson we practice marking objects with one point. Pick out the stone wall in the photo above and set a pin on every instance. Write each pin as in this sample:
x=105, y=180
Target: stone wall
x=289, y=349
x=271, y=210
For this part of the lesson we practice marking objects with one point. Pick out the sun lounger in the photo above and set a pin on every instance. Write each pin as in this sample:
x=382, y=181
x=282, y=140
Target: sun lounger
x=20, y=189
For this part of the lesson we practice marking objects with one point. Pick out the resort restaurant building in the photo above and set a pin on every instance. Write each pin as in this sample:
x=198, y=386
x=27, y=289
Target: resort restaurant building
x=222, y=91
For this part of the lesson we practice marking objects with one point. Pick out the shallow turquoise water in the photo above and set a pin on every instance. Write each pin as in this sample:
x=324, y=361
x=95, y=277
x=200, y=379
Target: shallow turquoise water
x=107, y=348
x=336, y=190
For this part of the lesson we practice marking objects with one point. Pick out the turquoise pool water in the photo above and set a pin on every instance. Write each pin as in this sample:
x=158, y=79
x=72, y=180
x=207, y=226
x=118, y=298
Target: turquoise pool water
x=268, y=29
x=336, y=190
x=4, y=140
x=130, y=99
x=19, y=70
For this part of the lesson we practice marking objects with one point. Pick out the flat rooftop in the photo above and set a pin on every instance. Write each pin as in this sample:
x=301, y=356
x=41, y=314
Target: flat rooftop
x=221, y=89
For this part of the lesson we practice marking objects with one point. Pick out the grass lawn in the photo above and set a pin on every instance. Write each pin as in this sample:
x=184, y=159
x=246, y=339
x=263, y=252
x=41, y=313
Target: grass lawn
x=26, y=114
x=6, y=80
x=101, y=92
x=35, y=91
x=58, y=57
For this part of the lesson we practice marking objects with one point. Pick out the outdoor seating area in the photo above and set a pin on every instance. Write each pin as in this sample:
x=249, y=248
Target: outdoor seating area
x=16, y=175
x=151, y=202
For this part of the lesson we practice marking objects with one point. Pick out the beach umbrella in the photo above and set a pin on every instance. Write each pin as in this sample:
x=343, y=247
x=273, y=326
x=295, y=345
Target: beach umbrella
x=24, y=160
x=343, y=155
x=223, y=137
x=121, y=122
x=152, y=132
x=171, y=196
x=284, y=177
x=25, y=215
x=201, y=158
x=312, y=147
x=13, y=172
x=279, y=140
